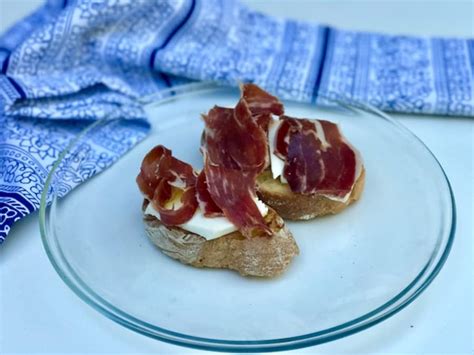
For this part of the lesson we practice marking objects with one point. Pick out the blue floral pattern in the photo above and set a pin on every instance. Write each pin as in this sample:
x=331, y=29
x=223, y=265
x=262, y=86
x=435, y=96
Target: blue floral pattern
x=29, y=148
x=400, y=73
x=71, y=62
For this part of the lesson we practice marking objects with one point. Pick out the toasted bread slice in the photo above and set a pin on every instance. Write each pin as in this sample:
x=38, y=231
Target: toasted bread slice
x=294, y=206
x=257, y=256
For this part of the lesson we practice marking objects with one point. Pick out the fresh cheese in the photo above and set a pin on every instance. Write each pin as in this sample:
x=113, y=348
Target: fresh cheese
x=277, y=164
x=208, y=227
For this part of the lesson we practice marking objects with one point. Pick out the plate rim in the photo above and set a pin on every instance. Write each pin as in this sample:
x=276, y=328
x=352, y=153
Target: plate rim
x=86, y=294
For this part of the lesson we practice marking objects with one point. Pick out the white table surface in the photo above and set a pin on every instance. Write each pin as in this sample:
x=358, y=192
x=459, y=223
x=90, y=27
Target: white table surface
x=39, y=314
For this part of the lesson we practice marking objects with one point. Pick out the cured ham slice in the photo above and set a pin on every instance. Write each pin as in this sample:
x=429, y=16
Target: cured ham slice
x=163, y=177
x=235, y=152
x=176, y=172
x=260, y=101
x=172, y=215
x=232, y=139
x=234, y=192
x=317, y=157
x=206, y=203
x=261, y=104
x=148, y=180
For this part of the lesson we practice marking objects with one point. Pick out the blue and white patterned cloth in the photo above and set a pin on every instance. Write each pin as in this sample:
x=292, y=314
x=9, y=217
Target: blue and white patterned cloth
x=77, y=60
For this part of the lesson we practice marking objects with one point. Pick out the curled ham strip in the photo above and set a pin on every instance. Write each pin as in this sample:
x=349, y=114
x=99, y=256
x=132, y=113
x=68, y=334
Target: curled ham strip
x=160, y=172
x=261, y=104
x=242, y=138
x=148, y=178
x=174, y=216
x=317, y=157
x=234, y=140
x=260, y=101
x=206, y=203
x=234, y=192
x=176, y=172
x=235, y=152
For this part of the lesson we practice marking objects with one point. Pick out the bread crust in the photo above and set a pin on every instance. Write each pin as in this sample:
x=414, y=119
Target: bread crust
x=257, y=256
x=294, y=206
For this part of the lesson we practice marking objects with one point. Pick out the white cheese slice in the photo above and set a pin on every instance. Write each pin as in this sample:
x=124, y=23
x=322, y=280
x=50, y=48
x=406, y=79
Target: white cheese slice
x=276, y=163
x=208, y=227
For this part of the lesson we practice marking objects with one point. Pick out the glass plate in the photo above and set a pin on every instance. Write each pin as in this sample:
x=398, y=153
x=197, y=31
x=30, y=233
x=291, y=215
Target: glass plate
x=355, y=269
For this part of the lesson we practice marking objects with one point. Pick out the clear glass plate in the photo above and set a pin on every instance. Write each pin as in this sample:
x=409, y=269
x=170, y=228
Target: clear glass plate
x=355, y=269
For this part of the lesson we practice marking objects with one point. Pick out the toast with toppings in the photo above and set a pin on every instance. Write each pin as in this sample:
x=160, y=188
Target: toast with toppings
x=312, y=170
x=212, y=219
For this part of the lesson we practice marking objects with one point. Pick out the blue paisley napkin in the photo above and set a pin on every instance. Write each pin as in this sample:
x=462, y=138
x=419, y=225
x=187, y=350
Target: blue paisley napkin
x=73, y=61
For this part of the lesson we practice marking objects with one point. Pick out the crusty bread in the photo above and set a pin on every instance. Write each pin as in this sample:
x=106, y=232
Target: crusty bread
x=257, y=256
x=290, y=205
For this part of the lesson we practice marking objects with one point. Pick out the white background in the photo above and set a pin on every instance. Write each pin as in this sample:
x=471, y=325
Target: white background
x=39, y=314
